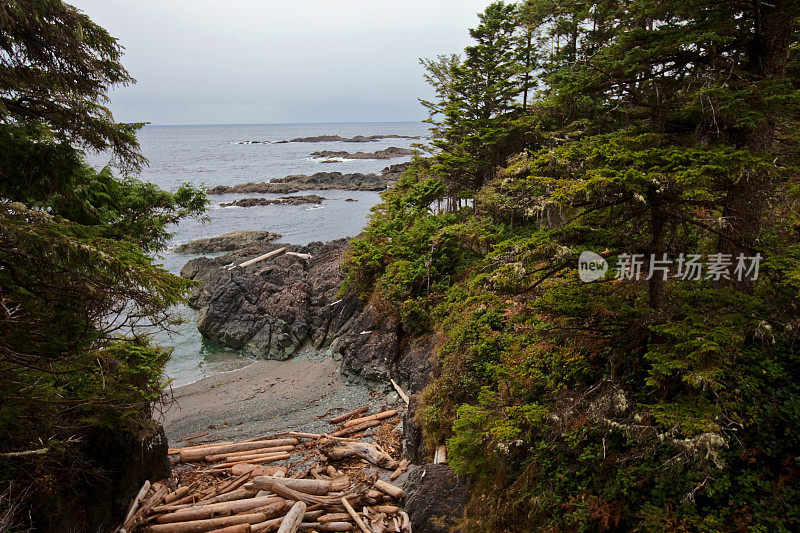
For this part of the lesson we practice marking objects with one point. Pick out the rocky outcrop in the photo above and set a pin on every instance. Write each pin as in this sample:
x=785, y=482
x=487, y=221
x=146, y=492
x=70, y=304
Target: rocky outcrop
x=414, y=444
x=356, y=139
x=95, y=480
x=320, y=181
x=387, y=153
x=274, y=308
x=284, y=200
x=227, y=242
x=435, y=498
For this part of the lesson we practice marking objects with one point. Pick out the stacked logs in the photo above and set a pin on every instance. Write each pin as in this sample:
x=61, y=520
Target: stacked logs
x=233, y=487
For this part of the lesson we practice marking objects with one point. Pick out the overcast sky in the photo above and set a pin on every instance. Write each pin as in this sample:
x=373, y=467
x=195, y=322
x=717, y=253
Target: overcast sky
x=270, y=61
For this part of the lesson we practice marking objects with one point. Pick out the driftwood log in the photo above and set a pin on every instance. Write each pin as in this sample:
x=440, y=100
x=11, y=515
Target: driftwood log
x=377, y=416
x=202, y=526
x=347, y=416
x=291, y=522
x=336, y=449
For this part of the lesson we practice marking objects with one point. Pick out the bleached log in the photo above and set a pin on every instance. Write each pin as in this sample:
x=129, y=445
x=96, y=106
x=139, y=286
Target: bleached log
x=135, y=505
x=352, y=430
x=270, y=525
x=400, y=469
x=329, y=526
x=239, y=528
x=262, y=257
x=335, y=450
x=173, y=451
x=238, y=494
x=198, y=454
x=293, y=518
x=400, y=391
x=440, y=456
x=319, y=487
x=406, y=525
x=388, y=488
x=177, y=494
x=199, y=512
x=231, y=456
x=334, y=517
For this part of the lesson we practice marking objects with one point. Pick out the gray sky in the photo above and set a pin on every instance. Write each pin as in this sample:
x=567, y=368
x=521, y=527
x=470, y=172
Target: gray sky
x=270, y=61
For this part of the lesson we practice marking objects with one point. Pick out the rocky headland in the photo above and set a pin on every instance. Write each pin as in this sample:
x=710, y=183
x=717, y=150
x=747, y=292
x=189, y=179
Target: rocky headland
x=321, y=181
x=356, y=139
x=274, y=308
x=387, y=153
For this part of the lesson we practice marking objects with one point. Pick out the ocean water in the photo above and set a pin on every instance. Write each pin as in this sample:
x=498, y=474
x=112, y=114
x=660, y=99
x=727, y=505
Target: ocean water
x=223, y=155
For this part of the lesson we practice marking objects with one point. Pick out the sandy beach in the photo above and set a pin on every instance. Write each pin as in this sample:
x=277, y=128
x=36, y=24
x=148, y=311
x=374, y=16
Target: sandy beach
x=266, y=397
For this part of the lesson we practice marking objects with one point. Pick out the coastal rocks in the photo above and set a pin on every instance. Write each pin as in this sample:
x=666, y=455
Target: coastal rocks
x=435, y=498
x=414, y=442
x=266, y=309
x=284, y=200
x=227, y=242
x=316, y=182
x=274, y=308
x=368, y=346
x=356, y=139
x=387, y=153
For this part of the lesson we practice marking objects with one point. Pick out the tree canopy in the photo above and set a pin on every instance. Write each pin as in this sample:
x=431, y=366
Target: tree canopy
x=56, y=68
x=663, y=131
x=80, y=294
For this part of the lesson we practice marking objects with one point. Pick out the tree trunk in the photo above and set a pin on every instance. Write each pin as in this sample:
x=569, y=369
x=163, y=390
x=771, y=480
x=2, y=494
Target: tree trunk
x=747, y=198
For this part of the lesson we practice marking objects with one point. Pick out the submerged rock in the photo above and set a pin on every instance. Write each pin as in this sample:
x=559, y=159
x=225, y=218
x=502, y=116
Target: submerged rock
x=226, y=243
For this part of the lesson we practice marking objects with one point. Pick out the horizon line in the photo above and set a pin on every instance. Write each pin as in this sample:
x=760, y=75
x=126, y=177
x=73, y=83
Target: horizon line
x=285, y=123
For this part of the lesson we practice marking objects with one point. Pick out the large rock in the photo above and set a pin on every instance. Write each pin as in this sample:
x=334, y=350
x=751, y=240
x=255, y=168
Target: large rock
x=95, y=483
x=276, y=307
x=127, y=461
x=435, y=498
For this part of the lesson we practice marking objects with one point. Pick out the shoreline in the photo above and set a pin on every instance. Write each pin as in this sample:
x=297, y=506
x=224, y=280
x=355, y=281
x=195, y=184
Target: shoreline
x=265, y=397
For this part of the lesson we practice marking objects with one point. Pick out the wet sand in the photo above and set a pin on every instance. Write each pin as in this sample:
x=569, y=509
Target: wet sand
x=266, y=397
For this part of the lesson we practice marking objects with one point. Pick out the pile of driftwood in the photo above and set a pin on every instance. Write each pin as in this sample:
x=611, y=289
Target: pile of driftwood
x=325, y=482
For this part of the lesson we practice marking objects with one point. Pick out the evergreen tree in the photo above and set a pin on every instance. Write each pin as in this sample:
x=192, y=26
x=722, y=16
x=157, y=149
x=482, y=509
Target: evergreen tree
x=624, y=404
x=80, y=294
x=481, y=96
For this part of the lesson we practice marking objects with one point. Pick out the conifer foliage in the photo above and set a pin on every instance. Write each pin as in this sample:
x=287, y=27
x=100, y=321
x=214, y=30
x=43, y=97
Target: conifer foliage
x=660, y=130
x=79, y=291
